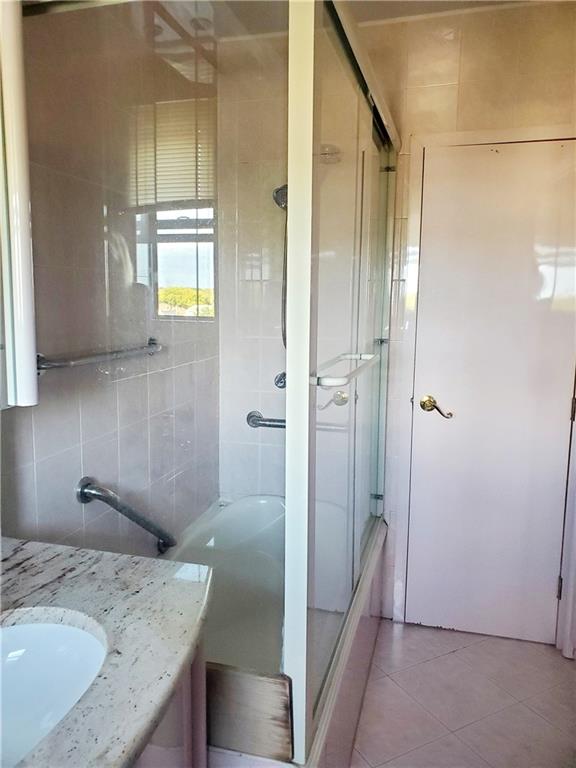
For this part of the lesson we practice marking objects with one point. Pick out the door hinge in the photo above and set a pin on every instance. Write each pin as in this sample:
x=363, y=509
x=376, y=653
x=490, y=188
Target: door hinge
x=559, y=590
x=377, y=496
x=573, y=410
x=388, y=169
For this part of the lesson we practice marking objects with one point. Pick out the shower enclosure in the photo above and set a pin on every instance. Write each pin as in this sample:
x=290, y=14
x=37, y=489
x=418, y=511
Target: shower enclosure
x=211, y=188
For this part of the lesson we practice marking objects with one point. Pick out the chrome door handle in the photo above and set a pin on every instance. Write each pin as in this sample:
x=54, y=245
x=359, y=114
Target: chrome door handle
x=428, y=403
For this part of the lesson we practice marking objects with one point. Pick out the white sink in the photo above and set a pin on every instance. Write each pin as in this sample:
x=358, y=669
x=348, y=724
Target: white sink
x=45, y=670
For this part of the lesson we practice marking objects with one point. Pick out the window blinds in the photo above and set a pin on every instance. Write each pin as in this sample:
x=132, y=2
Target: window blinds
x=174, y=154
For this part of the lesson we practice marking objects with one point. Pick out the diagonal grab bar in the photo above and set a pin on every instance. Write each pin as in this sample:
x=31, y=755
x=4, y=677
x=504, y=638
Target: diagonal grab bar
x=88, y=490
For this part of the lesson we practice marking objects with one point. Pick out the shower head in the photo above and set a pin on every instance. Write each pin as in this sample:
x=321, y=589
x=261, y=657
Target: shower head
x=280, y=196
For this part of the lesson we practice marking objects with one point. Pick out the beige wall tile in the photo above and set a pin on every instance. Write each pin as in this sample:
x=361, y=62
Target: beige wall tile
x=485, y=104
x=100, y=460
x=160, y=391
x=489, y=47
x=19, y=512
x=546, y=39
x=433, y=52
x=57, y=419
x=59, y=512
x=185, y=497
x=17, y=438
x=387, y=46
x=249, y=127
x=545, y=100
x=161, y=429
x=431, y=109
x=103, y=532
x=514, y=67
x=98, y=404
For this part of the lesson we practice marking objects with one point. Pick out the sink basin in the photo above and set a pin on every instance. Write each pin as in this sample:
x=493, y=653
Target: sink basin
x=45, y=670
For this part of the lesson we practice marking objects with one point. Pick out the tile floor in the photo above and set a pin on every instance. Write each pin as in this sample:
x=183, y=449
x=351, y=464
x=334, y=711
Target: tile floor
x=443, y=699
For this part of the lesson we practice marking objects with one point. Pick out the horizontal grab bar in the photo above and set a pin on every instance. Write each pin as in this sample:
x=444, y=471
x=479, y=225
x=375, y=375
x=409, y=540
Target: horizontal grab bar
x=88, y=490
x=255, y=420
x=45, y=363
x=367, y=360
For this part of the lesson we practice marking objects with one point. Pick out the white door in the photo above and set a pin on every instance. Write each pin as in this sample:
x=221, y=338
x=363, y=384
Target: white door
x=496, y=347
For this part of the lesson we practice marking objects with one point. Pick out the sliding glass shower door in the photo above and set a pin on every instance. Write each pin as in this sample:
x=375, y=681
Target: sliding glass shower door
x=348, y=361
x=338, y=288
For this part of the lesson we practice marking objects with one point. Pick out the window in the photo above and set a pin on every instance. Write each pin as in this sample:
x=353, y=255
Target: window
x=173, y=192
x=178, y=244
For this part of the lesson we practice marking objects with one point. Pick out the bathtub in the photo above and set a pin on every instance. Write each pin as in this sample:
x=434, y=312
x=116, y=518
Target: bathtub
x=249, y=698
x=244, y=543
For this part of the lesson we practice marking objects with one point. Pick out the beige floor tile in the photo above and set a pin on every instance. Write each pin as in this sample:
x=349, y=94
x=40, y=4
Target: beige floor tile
x=523, y=669
x=447, y=752
x=392, y=723
x=452, y=691
x=358, y=761
x=403, y=645
x=376, y=672
x=519, y=738
x=557, y=705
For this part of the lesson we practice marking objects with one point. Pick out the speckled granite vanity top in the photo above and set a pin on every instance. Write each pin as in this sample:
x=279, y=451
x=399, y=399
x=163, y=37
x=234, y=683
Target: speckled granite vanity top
x=151, y=613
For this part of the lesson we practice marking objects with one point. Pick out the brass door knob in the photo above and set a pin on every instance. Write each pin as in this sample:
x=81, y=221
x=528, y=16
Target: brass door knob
x=428, y=403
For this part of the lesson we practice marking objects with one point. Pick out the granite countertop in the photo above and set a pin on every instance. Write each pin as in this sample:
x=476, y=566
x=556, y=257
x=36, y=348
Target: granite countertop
x=148, y=612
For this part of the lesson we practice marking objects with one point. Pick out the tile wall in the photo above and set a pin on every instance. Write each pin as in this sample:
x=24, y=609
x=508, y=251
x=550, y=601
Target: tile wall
x=147, y=427
x=485, y=69
x=252, y=162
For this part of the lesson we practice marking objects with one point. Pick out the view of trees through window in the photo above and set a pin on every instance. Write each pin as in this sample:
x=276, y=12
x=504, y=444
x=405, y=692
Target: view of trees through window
x=179, y=247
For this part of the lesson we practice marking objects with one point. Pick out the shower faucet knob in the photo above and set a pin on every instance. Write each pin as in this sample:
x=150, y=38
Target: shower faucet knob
x=280, y=380
x=340, y=398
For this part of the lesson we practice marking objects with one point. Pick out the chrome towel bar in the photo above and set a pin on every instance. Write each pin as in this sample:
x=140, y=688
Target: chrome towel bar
x=45, y=363
x=88, y=490
x=366, y=360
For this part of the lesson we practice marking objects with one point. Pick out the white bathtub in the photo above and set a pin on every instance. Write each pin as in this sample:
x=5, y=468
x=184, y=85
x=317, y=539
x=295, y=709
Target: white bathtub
x=244, y=543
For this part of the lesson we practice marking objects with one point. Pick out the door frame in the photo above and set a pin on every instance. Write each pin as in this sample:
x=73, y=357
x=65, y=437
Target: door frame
x=403, y=331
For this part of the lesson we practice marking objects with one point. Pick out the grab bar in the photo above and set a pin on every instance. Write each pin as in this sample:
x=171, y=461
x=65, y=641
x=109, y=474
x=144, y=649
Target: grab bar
x=88, y=490
x=45, y=363
x=367, y=360
x=255, y=420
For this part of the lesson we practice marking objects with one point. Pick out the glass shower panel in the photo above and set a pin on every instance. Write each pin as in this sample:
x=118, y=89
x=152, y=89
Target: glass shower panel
x=372, y=340
x=157, y=136
x=122, y=107
x=337, y=180
x=349, y=310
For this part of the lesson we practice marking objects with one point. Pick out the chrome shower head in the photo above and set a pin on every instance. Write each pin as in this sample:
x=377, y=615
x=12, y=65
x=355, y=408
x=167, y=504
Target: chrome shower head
x=280, y=196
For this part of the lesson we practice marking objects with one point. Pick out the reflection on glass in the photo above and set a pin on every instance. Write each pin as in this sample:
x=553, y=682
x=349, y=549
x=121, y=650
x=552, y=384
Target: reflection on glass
x=172, y=176
x=128, y=103
x=557, y=276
